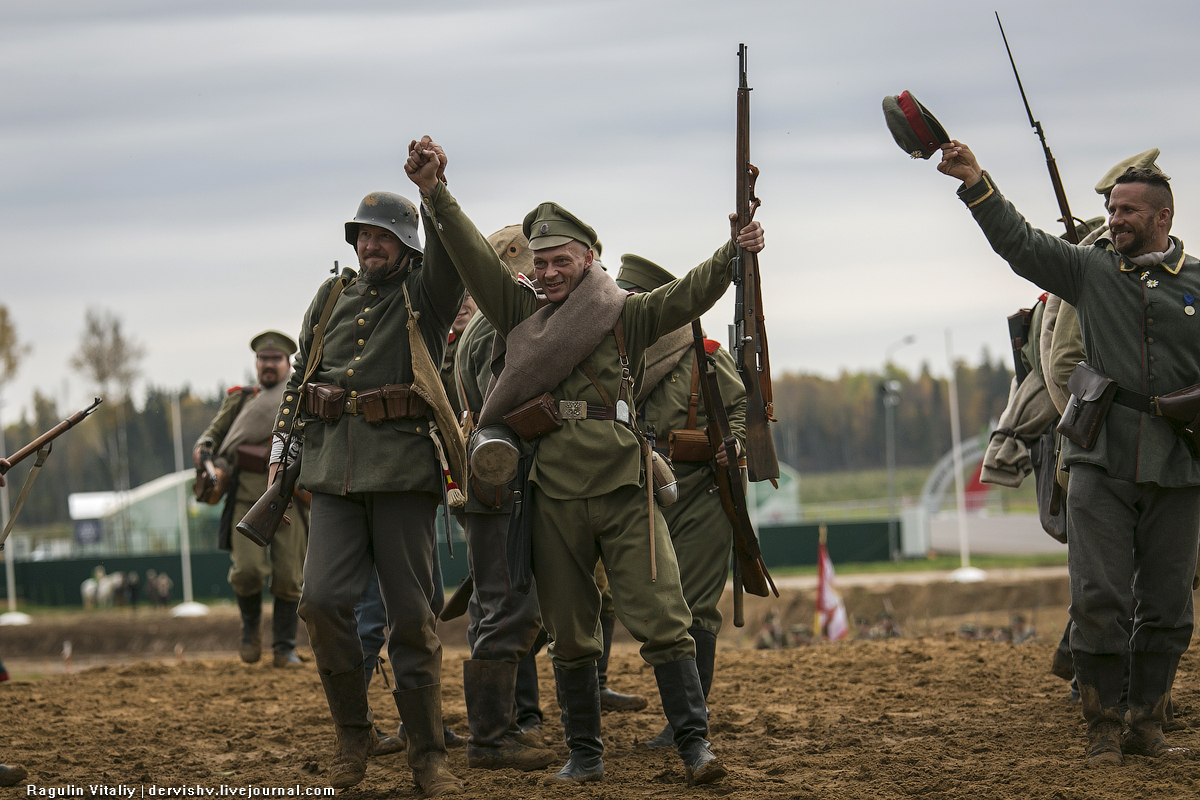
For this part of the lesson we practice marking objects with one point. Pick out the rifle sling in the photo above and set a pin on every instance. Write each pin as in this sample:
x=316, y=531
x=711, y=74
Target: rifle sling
x=42, y=454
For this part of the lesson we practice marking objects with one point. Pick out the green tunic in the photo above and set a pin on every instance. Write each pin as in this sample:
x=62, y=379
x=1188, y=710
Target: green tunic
x=583, y=458
x=366, y=346
x=1135, y=326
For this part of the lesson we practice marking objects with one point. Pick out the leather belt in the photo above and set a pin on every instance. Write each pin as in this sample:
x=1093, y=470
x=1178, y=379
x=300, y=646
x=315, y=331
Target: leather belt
x=581, y=409
x=1137, y=401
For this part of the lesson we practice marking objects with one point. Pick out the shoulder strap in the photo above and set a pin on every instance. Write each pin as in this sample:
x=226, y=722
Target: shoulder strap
x=314, y=355
x=694, y=397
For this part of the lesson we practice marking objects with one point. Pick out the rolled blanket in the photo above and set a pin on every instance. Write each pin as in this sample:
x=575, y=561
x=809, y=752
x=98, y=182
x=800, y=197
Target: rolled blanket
x=1029, y=413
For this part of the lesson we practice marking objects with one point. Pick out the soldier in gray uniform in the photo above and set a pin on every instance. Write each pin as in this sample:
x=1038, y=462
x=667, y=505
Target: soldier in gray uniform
x=1133, y=509
x=239, y=437
x=672, y=407
x=378, y=432
x=582, y=354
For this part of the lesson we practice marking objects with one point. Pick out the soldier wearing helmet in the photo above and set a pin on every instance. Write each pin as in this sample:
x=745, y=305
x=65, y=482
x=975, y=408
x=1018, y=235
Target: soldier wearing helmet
x=381, y=450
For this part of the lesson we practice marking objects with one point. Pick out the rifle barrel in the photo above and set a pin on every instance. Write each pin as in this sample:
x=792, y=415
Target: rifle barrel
x=49, y=436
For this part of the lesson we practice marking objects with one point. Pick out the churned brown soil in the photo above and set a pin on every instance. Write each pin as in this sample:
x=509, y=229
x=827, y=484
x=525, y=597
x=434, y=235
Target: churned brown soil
x=929, y=715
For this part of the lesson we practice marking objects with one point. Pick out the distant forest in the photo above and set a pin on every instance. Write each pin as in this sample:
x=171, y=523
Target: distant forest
x=825, y=425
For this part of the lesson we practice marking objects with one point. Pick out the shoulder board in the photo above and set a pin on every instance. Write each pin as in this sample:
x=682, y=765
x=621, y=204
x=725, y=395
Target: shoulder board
x=1045, y=296
x=711, y=347
x=235, y=389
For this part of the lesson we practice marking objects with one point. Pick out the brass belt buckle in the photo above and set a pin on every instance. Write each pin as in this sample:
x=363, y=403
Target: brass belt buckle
x=572, y=409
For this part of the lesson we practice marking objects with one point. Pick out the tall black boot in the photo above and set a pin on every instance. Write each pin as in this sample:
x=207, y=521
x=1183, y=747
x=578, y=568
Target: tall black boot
x=1061, y=665
x=1150, y=678
x=421, y=713
x=706, y=656
x=579, y=699
x=1100, y=686
x=528, y=714
x=610, y=700
x=347, y=696
x=250, y=605
x=488, y=687
x=283, y=632
x=683, y=702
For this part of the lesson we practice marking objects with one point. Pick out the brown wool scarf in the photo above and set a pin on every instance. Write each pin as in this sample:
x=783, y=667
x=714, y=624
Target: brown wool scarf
x=545, y=347
x=661, y=358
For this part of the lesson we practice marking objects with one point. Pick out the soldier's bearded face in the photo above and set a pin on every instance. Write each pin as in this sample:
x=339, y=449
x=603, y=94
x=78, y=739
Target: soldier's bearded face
x=560, y=269
x=272, y=367
x=1136, y=226
x=378, y=250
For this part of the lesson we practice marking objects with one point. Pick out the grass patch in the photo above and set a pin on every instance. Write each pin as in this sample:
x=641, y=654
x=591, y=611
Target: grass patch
x=939, y=563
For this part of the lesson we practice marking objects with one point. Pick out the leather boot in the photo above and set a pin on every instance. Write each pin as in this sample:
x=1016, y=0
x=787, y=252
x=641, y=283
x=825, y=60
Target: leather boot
x=683, y=703
x=347, y=696
x=251, y=607
x=421, y=713
x=579, y=699
x=528, y=713
x=706, y=656
x=12, y=775
x=283, y=632
x=451, y=738
x=1100, y=685
x=488, y=687
x=610, y=700
x=1061, y=665
x=1150, y=678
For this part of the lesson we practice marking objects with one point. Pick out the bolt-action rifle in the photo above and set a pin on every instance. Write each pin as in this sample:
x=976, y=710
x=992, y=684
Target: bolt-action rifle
x=749, y=345
x=41, y=445
x=749, y=571
x=1060, y=194
x=263, y=519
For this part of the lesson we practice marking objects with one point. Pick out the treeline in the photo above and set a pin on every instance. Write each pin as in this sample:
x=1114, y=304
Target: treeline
x=830, y=425
x=824, y=426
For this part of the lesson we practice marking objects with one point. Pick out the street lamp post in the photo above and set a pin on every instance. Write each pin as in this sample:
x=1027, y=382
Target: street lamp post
x=890, y=392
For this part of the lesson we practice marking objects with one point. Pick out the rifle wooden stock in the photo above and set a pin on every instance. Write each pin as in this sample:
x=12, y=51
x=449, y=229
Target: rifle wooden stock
x=749, y=347
x=49, y=436
x=263, y=518
x=750, y=572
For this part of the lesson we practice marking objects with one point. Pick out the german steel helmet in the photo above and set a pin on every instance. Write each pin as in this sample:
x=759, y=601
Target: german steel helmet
x=386, y=210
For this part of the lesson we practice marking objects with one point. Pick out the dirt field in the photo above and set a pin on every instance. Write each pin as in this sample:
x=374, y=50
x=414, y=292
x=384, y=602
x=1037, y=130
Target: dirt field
x=929, y=715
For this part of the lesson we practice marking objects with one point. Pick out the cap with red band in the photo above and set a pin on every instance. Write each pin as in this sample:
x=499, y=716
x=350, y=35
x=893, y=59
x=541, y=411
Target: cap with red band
x=915, y=129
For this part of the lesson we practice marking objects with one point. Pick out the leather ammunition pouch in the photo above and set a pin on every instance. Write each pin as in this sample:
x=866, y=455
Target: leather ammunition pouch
x=535, y=417
x=1092, y=395
x=253, y=457
x=324, y=401
x=328, y=402
x=689, y=446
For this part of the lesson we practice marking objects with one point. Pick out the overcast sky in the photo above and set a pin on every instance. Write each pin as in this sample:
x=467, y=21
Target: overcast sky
x=189, y=165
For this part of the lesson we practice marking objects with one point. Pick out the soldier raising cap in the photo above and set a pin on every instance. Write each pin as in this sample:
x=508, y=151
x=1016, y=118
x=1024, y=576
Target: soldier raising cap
x=641, y=274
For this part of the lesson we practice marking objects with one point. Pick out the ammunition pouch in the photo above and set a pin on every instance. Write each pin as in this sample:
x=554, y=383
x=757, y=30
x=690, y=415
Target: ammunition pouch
x=253, y=458
x=689, y=446
x=324, y=401
x=1181, y=410
x=534, y=418
x=1092, y=396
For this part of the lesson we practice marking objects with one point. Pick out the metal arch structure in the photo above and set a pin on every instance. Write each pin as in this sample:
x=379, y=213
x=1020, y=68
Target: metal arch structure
x=941, y=478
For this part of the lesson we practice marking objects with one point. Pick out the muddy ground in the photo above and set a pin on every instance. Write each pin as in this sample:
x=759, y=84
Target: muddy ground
x=928, y=715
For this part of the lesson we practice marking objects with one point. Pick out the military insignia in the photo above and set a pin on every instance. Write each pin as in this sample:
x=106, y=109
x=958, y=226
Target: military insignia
x=572, y=409
x=1188, y=304
x=545, y=228
x=370, y=200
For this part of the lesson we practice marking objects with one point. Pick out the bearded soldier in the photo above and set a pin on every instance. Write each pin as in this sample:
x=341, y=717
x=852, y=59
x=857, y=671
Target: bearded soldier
x=673, y=411
x=238, y=440
x=380, y=447
x=580, y=357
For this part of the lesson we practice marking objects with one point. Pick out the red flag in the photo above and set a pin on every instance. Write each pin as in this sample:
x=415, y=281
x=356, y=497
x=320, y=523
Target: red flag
x=831, y=611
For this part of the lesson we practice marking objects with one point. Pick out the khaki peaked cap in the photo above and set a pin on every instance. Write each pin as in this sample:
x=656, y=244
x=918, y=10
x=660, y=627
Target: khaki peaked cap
x=512, y=248
x=1143, y=160
x=551, y=225
x=641, y=273
x=273, y=340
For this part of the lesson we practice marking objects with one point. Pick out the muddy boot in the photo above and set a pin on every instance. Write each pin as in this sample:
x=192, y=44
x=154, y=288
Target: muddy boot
x=251, y=607
x=488, y=687
x=1100, y=681
x=610, y=700
x=283, y=632
x=683, y=703
x=421, y=713
x=385, y=745
x=706, y=656
x=528, y=713
x=451, y=738
x=347, y=696
x=12, y=775
x=579, y=699
x=1150, y=679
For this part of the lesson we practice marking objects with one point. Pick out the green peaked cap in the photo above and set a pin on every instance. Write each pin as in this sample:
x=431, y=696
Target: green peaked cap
x=1143, y=160
x=273, y=340
x=640, y=273
x=551, y=225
